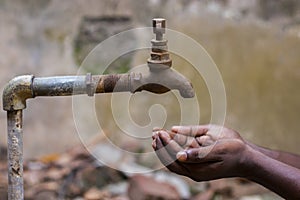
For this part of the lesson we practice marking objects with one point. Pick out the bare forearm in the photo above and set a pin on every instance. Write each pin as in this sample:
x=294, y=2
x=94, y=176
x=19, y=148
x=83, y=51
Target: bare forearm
x=277, y=176
x=287, y=158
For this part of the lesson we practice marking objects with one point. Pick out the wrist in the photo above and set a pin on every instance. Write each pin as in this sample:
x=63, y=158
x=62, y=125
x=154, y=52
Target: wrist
x=265, y=151
x=253, y=146
x=247, y=161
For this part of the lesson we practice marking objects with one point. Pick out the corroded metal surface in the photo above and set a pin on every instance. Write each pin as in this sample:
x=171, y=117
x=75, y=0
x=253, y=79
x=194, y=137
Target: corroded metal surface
x=162, y=81
x=59, y=86
x=159, y=55
x=158, y=82
x=23, y=87
x=90, y=86
x=15, y=155
x=111, y=81
x=16, y=92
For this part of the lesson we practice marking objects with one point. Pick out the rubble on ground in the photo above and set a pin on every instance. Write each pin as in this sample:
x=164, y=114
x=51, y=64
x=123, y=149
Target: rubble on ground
x=76, y=175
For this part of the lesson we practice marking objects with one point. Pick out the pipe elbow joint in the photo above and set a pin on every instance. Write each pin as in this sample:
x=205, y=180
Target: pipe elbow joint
x=16, y=92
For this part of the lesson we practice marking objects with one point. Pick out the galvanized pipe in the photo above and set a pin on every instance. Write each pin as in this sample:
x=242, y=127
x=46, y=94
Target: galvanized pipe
x=58, y=85
x=74, y=85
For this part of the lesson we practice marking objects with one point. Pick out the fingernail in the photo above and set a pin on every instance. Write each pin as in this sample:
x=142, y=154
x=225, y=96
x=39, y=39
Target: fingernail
x=163, y=134
x=181, y=156
x=154, y=133
x=172, y=135
x=156, y=129
x=175, y=128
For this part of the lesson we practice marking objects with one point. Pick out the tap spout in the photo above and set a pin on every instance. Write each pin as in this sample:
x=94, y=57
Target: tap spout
x=162, y=81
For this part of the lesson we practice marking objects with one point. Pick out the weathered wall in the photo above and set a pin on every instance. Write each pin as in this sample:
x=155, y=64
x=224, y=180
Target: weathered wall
x=259, y=62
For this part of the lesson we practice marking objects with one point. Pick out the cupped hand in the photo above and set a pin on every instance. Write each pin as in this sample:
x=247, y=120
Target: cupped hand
x=201, y=152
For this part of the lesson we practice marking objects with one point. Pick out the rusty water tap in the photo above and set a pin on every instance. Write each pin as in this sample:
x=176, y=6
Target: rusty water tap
x=159, y=56
x=160, y=78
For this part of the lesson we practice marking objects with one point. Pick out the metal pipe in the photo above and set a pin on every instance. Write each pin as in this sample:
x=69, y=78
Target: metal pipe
x=58, y=86
x=74, y=85
x=15, y=154
x=16, y=92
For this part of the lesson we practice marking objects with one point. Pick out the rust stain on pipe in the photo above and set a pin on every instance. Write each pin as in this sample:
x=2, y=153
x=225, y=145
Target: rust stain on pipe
x=15, y=154
x=110, y=82
x=16, y=92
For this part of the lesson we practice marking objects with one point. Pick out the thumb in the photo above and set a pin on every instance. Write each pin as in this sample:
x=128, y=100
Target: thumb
x=196, y=155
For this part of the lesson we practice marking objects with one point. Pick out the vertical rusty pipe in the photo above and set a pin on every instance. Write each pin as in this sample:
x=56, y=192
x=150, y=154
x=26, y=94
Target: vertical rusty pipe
x=15, y=155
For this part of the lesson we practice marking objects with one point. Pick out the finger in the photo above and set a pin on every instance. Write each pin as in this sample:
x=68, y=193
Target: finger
x=162, y=153
x=197, y=155
x=194, y=144
x=181, y=156
x=215, y=132
x=164, y=136
x=165, y=158
x=204, y=140
x=172, y=134
x=180, y=139
x=154, y=134
x=186, y=141
x=154, y=144
x=193, y=131
x=191, y=142
x=171, y=146
x=156, y=129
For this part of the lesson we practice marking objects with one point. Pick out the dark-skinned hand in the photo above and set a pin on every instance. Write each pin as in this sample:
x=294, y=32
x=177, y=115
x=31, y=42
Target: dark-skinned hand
x=201, y=152
x=211, y=152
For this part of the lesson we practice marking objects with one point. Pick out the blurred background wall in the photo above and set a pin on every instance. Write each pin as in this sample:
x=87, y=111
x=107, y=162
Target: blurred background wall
x=255, y=44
